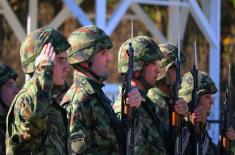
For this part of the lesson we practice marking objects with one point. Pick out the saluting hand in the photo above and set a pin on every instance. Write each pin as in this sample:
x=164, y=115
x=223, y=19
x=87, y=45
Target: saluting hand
x=47, y=54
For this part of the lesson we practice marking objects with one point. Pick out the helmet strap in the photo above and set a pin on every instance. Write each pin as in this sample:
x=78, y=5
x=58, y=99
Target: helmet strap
x=92, y=73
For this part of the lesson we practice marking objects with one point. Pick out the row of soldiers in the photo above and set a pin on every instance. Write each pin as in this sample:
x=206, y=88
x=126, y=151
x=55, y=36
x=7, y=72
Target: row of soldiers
x=48, y=117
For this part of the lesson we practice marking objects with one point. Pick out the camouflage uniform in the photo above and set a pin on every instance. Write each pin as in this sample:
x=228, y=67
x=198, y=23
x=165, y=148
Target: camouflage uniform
x=157, y=96
x=93, y=123
x=36, y=124
x=205, y=86
x=150, y=140
x=162, y=102
x=6, y=73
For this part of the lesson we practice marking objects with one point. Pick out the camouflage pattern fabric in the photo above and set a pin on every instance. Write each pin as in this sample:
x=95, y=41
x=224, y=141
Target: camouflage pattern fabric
x=158, y=97
x=162, y=102
x=93, y=124
x=35, y=125
x=208, y=147
x=85, y=42
x=170, y=53
x=152, y=132
x=145, y=52
x=58, y=92
x=233, y=147
x=205, y=85
x=34, y=42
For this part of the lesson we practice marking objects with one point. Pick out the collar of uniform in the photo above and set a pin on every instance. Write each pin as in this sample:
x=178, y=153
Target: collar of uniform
x=90, y=86
x=58, y=89
x=162, y=94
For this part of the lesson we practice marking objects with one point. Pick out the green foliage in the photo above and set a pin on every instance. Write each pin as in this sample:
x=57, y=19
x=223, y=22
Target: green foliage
x=233, y=2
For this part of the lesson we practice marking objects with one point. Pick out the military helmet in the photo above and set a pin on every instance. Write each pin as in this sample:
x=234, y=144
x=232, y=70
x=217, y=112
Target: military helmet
x=145, y=52
x=6, y=73
x=85, y=42
x=170, y=53
x=34, y=42
x=205, y=85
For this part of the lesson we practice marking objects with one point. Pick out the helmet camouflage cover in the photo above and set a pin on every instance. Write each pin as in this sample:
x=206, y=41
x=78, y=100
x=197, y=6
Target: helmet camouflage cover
x=145, y=51
x=85, y=42
x=6, y=73
x=170, y=53
x=205, y=85
x=34, y=43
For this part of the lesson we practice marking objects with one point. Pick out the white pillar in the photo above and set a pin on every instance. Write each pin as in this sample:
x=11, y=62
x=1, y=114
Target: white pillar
x=101, y=13
x=32, y=16
x=215, y=15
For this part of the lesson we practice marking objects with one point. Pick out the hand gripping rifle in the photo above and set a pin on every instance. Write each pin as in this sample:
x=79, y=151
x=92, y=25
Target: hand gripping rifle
x=197, y=126
x=175, y=118
x=225, y=147
x=127, y=113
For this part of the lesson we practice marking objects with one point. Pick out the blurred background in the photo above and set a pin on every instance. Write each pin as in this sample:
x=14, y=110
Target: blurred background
x=209, y=22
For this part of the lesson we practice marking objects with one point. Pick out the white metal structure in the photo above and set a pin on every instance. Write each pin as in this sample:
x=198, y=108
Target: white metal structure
x=207, y=18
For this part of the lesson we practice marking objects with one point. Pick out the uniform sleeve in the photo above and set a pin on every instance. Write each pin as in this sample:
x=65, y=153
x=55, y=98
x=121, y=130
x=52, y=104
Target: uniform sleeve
x=79, y=127
x=27, y=117
x=44, y=75
x=90, y=129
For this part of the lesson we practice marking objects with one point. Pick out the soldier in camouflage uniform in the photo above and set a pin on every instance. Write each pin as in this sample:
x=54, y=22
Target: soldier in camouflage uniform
x=231, y=136
x=94, y=127
x=146, y=68
x=206, y=88
x=36, y=124
x=161, y=95
x=8, y=90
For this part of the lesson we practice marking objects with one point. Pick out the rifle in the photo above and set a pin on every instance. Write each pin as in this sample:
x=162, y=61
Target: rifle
x=225, y=147
x=175, y=118
x=197, y=126
x=127, y=113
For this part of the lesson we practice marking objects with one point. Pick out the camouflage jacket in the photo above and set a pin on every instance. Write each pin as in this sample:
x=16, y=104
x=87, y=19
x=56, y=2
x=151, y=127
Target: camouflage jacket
x=36, y=124
x=2, y=134
x=91, y=117
x=162, y=101
x=208, y=147
x=233, y=147
x=152, y=132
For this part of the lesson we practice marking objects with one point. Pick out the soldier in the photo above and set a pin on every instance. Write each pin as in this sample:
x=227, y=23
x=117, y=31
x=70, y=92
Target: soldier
x=206, y=88
x=161, y=95
x=231, y=136
x=36, y=124
x=146, y=68
x=94, y=127
x=8, y=90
